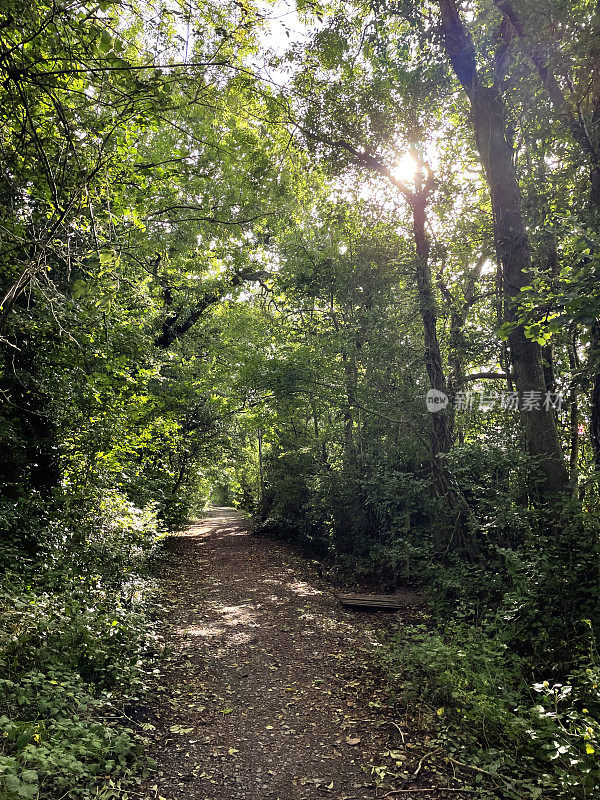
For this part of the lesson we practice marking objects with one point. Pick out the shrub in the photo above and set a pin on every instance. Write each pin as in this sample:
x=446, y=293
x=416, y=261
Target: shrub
x=481, y=704
x=464, y=674
x=72, y=642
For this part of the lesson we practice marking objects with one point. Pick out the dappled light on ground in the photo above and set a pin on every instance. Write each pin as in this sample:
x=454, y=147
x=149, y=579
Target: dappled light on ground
x=268, y=689
x=302, y=589
x=204, y=630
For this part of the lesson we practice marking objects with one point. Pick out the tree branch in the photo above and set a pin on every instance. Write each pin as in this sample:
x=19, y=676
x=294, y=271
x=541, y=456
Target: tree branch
x=459, y=45
x=492, y=376
x=541, y=63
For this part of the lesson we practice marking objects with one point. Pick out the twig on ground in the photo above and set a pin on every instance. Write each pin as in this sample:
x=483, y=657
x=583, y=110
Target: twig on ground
x=399, y=729
x=471, y=766
x=429, y=789
x=495, y=777
x=427, y=755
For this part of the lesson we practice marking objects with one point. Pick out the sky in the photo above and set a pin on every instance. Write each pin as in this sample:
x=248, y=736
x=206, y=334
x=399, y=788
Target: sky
x=283, y=28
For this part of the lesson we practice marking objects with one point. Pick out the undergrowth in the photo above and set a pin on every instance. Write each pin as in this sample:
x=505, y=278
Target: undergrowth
x=526, y=740
x=75, y=647
x=507, y=665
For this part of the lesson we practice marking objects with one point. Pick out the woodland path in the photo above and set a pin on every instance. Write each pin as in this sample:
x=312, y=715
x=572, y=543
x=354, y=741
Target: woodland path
x=268, y=691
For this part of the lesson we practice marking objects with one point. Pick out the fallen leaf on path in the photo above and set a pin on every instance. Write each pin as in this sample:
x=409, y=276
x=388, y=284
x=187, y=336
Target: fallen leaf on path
x=180, y=729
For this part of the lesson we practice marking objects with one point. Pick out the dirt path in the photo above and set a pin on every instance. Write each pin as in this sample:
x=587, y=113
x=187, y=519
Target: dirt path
x=267, y=691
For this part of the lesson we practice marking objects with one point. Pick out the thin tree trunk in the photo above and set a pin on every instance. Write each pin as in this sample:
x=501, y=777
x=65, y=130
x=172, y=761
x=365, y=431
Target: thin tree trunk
x=440, y=436
x=261, y=474
x=458, y=319
x=595, y=398
x=350, y=448
x=574, y=421
x=440, y=422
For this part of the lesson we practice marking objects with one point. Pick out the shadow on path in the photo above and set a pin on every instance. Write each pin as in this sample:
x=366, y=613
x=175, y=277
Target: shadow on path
x=265, y=694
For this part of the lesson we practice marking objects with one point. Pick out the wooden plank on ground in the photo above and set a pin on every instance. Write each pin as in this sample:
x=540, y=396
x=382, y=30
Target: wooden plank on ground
x=387, y=601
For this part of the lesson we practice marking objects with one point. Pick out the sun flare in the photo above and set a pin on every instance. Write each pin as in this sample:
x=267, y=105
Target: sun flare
x=406, y=168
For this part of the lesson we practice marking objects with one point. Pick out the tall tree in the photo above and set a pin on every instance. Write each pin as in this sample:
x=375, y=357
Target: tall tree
x=578, y=108
x=488, y=116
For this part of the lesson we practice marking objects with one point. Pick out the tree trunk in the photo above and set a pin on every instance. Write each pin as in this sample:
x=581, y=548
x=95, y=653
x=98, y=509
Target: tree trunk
x=574, y=420
x=586, y=133
x=261, y=476
x=440, y=423
x=595, y=399
x=488, y=115
x=440, y=435
x=512, y=244
x=351, y=376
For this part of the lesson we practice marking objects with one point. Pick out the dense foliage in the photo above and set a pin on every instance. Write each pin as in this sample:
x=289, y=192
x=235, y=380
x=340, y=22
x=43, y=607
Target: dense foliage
x=235, y=272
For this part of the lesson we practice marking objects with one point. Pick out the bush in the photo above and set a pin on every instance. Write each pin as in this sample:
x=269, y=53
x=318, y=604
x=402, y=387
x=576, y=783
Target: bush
x=72, y=642
x=534, y=741
x=565, y=731
x=464, y=674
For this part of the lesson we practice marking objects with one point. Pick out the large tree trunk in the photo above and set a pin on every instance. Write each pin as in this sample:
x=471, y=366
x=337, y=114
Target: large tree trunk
x=586, y=133
x=512, y=244
x=488, y=115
